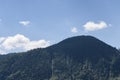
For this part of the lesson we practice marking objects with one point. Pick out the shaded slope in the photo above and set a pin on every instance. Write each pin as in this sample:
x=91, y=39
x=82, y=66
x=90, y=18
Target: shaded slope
x=85, y=46
x=31, y=65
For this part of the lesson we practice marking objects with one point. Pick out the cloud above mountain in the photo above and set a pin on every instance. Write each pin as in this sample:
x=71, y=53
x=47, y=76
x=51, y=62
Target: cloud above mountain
x=24, y=23
x=74, y=30
x=92, y=26
x=20, y=42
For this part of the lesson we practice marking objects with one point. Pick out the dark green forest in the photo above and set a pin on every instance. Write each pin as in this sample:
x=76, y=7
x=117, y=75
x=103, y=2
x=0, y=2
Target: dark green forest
x=75, y=58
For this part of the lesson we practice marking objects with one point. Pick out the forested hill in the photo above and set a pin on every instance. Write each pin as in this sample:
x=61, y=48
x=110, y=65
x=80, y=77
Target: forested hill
x=75, y=58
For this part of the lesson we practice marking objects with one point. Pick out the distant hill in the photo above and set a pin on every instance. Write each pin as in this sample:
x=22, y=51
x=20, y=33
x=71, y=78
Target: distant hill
x=75, y=58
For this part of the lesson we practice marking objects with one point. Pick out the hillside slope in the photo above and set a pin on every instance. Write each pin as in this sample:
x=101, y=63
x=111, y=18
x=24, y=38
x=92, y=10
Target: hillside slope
x=76, y=58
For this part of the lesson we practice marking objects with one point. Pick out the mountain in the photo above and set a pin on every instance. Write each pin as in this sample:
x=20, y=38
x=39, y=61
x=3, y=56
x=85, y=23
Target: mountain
x=75, y=58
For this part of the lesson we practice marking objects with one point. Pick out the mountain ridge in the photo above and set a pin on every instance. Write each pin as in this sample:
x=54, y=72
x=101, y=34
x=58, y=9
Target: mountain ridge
x=83, y=44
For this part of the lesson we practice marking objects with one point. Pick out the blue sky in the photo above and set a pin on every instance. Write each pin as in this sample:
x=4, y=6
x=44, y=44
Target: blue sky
x=50, y=21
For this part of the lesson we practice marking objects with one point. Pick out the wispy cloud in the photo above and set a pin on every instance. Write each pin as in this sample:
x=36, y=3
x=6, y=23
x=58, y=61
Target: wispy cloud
x=24, y=23
x=0, y=20
x=74, y=30
x=20, y=42
x=92, y=26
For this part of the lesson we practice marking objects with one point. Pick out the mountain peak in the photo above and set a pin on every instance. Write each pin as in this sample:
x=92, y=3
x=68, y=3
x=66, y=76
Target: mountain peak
x=85, y=46
x=82, y=41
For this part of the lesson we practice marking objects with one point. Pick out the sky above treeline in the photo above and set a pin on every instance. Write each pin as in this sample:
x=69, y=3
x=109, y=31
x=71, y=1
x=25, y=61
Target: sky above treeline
x=29, y=24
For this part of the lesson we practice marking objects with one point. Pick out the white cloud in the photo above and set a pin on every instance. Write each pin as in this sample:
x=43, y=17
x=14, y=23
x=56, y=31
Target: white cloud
x=74, y=30
x=2, y=52
x=24, y=23
x=15, y=42
x=37, y=44
x=20, y=42
x=1, y=39
x=92, y=26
